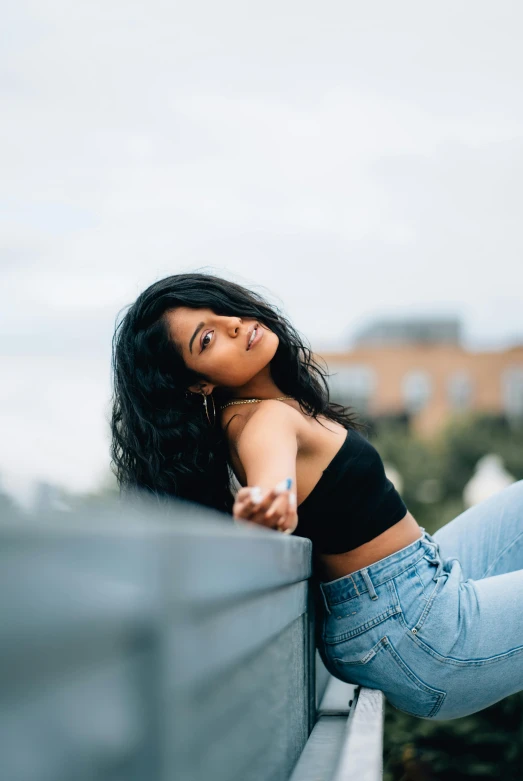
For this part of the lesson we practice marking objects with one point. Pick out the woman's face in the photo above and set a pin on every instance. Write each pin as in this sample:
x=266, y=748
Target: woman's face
x=216, y=345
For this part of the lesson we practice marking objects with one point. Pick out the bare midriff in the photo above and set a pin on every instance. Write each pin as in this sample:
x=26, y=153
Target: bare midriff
x=330, y=566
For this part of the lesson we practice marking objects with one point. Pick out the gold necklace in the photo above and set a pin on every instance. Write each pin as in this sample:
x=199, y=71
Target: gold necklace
x=254, y=401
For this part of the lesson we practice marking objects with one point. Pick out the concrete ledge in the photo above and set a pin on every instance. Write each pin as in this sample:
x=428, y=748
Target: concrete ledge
x=346, y=743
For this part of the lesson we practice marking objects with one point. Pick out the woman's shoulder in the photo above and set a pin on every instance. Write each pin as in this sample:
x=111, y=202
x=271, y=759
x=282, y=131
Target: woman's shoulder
x=316, y=437
x=268, y=411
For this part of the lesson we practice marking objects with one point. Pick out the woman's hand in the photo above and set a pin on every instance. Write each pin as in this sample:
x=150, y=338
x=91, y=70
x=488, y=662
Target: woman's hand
x=276, y=509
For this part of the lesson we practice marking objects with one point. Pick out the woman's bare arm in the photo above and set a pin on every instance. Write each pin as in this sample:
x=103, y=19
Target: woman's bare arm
x=267, y=448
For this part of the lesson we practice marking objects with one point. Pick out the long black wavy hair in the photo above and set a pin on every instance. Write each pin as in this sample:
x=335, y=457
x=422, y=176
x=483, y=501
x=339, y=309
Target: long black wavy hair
x=162, y=442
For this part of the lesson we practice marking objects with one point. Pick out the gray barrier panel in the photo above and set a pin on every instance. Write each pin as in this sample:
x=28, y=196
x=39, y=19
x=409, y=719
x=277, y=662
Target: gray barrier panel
x=140, y=642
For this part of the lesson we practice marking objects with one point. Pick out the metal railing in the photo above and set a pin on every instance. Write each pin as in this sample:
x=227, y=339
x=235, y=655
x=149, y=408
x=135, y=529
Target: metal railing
x=146, y=643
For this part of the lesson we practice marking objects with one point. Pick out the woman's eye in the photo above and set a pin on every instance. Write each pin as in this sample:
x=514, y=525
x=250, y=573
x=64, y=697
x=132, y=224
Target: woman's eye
x=204, y=345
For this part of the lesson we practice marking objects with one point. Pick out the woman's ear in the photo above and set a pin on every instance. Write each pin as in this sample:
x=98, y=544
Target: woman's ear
x=201, y=388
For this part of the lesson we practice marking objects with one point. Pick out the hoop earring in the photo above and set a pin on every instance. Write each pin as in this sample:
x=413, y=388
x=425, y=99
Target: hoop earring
x=206, y=410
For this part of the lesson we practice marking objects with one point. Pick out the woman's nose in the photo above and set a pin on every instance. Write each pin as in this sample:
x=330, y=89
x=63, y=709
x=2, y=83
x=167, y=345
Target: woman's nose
x=234, y=325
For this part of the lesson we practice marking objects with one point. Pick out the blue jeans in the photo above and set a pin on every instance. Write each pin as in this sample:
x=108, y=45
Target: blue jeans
x=438, y=625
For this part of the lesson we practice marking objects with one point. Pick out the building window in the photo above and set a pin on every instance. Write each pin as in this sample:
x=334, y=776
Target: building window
x=512, y=388
x=459, y=390
x=352, y=385
x=416, y=390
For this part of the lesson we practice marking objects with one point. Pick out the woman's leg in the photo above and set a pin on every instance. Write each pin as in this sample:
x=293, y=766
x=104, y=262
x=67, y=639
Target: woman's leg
x=472, y=640
x=474, y=630
x=488, y=538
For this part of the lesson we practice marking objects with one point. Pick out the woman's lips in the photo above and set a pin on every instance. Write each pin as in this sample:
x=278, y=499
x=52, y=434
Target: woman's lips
x=259, y=334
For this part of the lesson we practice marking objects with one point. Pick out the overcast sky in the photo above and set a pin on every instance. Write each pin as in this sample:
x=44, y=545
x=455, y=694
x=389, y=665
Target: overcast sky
x=352, y=160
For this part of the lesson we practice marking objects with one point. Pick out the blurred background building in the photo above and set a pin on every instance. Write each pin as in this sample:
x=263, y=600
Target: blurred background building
x=418, y=370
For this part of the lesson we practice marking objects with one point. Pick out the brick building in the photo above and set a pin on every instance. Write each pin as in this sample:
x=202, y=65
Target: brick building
x=419, y=369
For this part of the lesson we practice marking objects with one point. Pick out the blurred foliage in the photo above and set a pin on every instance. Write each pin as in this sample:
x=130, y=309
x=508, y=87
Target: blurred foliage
x=106, y=489
x=464, y=442
x=488, y=744
x=8, y=507
x=445, y=463
x=54, y=497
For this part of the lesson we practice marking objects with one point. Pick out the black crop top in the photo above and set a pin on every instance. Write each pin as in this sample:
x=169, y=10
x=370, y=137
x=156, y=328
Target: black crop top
x=352, y=502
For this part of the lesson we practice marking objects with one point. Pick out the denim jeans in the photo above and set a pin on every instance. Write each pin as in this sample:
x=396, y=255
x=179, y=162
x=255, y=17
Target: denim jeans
x=438, y=625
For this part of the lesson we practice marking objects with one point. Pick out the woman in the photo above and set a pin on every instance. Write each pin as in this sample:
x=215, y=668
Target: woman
x=211, y=380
